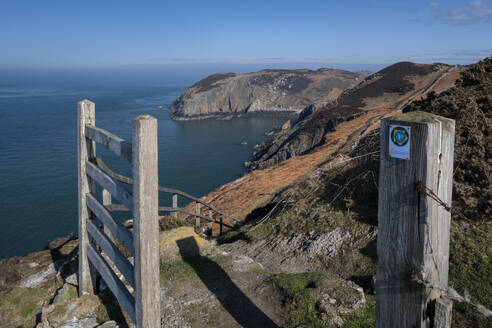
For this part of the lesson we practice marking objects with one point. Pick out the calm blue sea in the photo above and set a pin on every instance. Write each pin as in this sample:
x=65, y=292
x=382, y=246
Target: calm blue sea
x=38, y=151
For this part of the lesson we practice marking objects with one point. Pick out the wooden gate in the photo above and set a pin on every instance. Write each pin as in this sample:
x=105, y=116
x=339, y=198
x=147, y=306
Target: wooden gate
x=143, y=275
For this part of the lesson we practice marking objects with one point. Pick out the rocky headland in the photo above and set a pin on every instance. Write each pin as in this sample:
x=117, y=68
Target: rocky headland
x=306, y=255
x=227, y=95
x=392, y=87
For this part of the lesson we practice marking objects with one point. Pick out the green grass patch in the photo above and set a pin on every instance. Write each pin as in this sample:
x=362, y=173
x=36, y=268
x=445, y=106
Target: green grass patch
x=27, y=310
x=168, y=223
x=204, y=316
x=304, y=307
x=19, y=306
x=365, y=317
x=466, y=315
x=470, y=268
x=307, y=215
x=301, y=297
x=187, y=268
x=178, y=270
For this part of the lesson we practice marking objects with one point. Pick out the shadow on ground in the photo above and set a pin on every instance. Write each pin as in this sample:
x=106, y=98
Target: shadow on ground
x=234, y=301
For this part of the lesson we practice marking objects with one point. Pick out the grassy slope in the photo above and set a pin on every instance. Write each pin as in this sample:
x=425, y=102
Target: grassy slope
x=347, y=196
x=470, y=104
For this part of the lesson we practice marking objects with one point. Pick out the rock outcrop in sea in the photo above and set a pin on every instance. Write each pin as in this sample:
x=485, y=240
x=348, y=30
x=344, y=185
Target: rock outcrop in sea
x=227, y=95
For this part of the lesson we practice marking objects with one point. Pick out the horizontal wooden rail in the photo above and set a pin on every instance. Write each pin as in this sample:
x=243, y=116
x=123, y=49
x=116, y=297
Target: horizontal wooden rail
x=110, y=184
x=117, y=229
x=117, y=208
x=112, y=251
x=182, y=210
x=123, y=179
x=198, y=200
x=114, y=283
x=112, y=142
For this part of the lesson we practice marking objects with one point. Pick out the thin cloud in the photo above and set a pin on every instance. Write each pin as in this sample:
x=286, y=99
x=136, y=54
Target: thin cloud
x=473, y=53
x=434, y=5
x=393, y=7
x=452, y=56
x=271, y=58
x=472, y=12
x=172, y=59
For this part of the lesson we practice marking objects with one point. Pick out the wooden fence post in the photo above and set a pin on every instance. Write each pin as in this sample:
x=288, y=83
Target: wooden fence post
x=86, y=151
x=413, y=239
x=197, y=219
x=175, y=204
x=146, y=226
x=211, y=224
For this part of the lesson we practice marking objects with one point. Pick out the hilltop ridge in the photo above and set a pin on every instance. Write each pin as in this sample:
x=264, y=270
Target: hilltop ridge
x=391, y=87
x=306, y=255
x=227, y=95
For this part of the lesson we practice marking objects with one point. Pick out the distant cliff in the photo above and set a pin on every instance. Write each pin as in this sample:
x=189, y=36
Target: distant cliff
x=390, y=88
x=226, y=95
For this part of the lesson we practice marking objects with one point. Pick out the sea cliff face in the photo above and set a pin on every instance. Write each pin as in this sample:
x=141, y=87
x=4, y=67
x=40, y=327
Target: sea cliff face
x=227, y=95
x=390, y=88
x=308, y=245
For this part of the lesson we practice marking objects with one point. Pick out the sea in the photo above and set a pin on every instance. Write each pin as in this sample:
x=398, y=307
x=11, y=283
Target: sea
x=38, y=146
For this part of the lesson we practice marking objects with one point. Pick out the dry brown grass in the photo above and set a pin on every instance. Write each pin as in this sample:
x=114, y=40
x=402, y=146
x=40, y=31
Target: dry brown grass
x=256, y=189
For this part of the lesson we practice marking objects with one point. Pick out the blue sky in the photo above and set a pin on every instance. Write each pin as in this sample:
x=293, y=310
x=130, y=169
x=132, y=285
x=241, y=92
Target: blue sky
x=144, y=34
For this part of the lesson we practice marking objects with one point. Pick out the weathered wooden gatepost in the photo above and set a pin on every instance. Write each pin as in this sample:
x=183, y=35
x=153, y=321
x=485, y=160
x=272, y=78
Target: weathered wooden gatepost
x=415, y=187
x=98, y=230
x=86, y=114
x=146, y=223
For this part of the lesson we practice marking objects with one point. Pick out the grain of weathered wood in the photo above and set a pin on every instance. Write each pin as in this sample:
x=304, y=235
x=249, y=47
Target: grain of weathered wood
x=117, y=208
x=86, y=151
x=118, y=230
x=106, y=197
x=175, y=205
x=110, y=184
x=443, y=313
x=118, y=177
x=110, y=141
x=113, y=282
x=146, y=227
x=413, y=235
x=112, y=252
x=106, y=200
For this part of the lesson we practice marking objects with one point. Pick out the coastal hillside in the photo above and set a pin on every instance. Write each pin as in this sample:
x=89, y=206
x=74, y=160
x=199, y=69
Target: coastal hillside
x=306, y=256
x=326, y=221
x=390, y=88
x=226, y=95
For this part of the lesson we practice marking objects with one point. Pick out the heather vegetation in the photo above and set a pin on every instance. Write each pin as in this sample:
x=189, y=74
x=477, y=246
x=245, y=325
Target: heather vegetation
x=346, y=196
x=301, y=257
x=470, y=104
